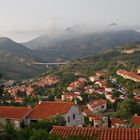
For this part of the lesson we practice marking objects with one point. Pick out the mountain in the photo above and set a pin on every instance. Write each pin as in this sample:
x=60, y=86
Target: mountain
x=7, y=45
x=108, y=61
x=68, y=46
x=46, y=41
x=16, y=60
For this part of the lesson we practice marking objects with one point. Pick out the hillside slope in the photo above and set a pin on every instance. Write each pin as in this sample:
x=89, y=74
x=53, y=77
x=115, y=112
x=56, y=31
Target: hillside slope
x=109, y=61
x=16, y=60
x=81, y=46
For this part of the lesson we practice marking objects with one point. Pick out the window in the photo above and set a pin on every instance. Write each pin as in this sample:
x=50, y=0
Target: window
x=68, y=119
x=73, y=116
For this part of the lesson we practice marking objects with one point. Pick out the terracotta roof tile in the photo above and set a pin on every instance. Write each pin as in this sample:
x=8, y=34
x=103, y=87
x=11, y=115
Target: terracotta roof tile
x=87, y=112
x=100, y=134
x=10, y=112
x=136, y=120
x=116, y=121
x=97, y=102
x=49, y=109
x=133, y=75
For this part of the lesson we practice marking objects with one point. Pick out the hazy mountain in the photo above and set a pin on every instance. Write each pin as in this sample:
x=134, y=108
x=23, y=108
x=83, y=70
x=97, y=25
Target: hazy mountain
x=19, y=50
x=69, y=45
x=46, y=41
x=16, y=60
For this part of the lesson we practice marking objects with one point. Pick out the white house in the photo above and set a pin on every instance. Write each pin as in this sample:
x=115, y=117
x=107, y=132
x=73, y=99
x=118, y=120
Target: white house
x=94, y=78
x=13, y=114
x=68, y=110
x=110, y=97
x=107, y=89
x=138, y=70
x=97, y=105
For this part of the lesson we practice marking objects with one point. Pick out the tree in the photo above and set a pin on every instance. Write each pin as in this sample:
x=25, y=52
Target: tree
x=48, y=124
x=130, y=95
x=127, y=108
x=39, y=135
x=25, y=134
x=109, y=122
x=10, y=132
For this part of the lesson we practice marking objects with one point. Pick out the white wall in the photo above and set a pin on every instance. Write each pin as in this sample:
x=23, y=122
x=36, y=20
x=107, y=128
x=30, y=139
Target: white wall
x=98, y=108
x=79, y=117
x=13, y=121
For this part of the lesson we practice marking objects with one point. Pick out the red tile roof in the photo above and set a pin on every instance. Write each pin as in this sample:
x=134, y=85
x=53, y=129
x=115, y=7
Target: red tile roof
x=71, y=95
x=97, y=117
x=97, y=102
x=116, y=121
x=10, y=112
x=136, y=120
x=100, y=134
x=87, y=112
x=132, y=75
x=49, y=109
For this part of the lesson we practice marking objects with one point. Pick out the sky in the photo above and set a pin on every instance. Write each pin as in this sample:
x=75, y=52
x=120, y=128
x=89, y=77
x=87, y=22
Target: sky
x=23, y=20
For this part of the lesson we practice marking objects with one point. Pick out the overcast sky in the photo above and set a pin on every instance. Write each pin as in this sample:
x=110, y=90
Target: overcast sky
x=24, y=19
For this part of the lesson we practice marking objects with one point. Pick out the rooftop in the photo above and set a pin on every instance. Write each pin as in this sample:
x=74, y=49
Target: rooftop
x=131, y=74
x=10, y=112
x=100, y=134
x=136, y=120
x=97, y=102
x=49, y=109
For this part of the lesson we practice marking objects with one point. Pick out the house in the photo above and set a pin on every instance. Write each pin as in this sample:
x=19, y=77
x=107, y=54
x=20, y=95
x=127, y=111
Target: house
x=9, y=83
x=69, y=96
x=136, y=121
x=101, y=83
x=87, y=113
x=107, y=89
x=45, y=110
x=117, y=123
x=96, y=120
x=100, y=91
x=128, y=51
x=82, y=80
x=76, y=85
x=94, y=78
x=13, y=114
x=48, y=81
x=89, y=133
x=138, y=70
x=136, y=98
x=109, y=96
x=97, y=105
x=100, y=74
x=128, y=75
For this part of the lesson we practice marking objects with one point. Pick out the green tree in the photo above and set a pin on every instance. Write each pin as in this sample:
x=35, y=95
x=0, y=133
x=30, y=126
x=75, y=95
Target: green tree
x=48, y=124
x=127, y=108
x=40, y=135
x=25, y=134
x=10, y=132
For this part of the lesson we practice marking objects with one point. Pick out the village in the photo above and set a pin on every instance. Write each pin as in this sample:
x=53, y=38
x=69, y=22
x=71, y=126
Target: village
x=84, y=102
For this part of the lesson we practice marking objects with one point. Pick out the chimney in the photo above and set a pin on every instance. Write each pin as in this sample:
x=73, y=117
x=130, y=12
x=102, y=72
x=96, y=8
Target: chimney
x=63, y=97
x=75, y=102
x=39, y=102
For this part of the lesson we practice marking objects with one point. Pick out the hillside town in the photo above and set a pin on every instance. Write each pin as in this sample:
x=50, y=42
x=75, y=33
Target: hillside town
x=84, y=102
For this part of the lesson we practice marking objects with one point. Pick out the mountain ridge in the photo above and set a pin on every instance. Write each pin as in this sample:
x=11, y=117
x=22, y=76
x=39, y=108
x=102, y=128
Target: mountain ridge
x=83, y=45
